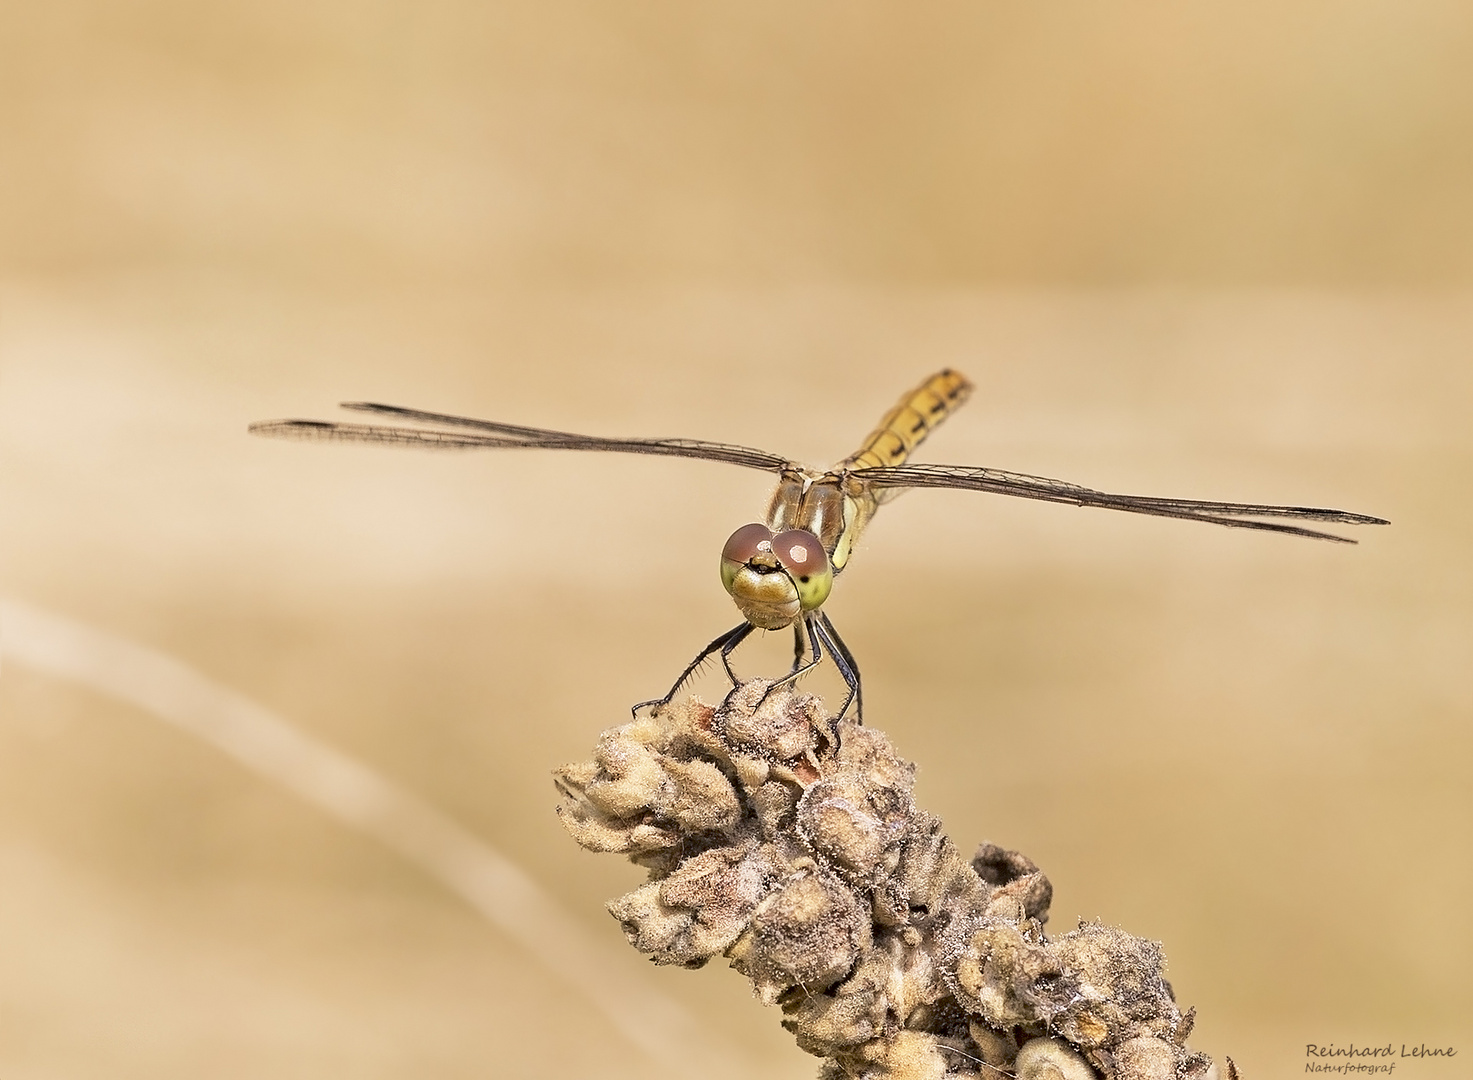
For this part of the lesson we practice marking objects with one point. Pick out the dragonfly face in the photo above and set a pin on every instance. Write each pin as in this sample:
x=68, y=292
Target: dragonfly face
x=775, y=578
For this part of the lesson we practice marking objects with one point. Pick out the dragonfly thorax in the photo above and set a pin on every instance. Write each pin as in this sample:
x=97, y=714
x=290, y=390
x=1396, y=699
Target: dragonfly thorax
x=829, y=505
x=775, y=578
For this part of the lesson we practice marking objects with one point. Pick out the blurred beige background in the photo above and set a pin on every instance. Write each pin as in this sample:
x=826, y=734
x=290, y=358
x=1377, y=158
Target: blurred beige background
x=1213, y=250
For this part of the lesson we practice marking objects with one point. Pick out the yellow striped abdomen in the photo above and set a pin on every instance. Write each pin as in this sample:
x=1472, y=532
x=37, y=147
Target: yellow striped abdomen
x=904, y=427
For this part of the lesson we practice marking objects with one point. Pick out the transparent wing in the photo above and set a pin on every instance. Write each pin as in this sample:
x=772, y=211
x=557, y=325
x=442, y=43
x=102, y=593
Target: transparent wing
x=1234, y=515
x=503, y=437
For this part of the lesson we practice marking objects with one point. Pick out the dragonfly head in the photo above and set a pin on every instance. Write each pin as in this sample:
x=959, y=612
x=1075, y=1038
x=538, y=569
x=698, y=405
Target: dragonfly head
x=774, y=579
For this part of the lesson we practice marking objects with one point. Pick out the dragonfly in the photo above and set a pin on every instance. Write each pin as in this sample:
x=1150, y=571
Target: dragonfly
x=781, y=570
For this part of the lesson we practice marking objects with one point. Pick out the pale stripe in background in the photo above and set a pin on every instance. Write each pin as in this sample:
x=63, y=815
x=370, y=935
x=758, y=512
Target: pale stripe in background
x=362, y=799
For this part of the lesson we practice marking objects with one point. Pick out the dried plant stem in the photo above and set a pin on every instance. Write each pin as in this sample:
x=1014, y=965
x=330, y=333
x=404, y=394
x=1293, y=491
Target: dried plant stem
x=791, y=844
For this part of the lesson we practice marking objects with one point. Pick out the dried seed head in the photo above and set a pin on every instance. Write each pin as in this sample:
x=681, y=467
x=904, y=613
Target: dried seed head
x=1051, y=1059
x=792, y=845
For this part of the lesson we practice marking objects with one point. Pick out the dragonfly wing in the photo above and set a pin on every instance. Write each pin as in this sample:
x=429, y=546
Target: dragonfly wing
x=515, y=438
x=563, y=440
x=326, y=431
x=420, y=416
x=1021, y=485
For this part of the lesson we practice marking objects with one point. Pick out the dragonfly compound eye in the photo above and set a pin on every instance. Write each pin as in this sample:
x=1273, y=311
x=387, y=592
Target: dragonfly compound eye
x=803, y=557
x=747, y=543
x=750, y=542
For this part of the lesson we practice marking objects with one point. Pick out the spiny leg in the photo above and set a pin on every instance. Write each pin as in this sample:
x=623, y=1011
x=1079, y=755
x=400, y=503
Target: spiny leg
x=726, y=651
x=845, y=662
x=799, y=647
x=726, y=642
x=799, y=670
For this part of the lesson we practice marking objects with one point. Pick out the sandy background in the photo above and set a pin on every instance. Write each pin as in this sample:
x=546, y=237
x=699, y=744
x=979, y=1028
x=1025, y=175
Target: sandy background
x=1214, y=250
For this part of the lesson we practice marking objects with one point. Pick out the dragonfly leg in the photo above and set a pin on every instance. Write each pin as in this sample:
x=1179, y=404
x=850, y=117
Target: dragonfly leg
x=845, y=662
x=800, y=669
x=726, y=642
x=799, y=648
x=737, y=637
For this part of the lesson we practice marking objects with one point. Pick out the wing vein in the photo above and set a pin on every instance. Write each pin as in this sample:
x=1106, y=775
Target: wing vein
x=507, y=437
x=1043, y=488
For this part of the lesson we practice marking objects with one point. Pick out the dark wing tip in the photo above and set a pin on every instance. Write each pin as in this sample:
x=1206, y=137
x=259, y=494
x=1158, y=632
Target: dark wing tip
x=1338, y=517
x=391, y=410
x=1309, y=513
x=293, y=429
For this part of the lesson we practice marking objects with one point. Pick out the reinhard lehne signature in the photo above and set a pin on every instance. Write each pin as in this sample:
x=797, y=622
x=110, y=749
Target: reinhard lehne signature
x=1355, y=1060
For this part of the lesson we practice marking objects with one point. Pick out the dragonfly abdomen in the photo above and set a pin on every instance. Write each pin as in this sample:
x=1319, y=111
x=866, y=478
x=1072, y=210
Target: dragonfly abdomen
x=905, y=426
